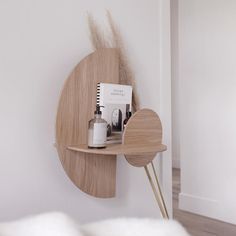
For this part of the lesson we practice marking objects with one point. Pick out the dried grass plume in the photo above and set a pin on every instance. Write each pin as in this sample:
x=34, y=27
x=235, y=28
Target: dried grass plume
x=96, y=35
x=99, y=41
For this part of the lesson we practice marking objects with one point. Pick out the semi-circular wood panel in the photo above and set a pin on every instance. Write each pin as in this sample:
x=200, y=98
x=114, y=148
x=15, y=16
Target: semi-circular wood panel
x=143, y=128
x=93, y=174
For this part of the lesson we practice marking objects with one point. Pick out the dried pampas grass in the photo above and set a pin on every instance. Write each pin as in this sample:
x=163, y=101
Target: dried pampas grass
x=96, y=35
x=126, y=74
x=99, y=41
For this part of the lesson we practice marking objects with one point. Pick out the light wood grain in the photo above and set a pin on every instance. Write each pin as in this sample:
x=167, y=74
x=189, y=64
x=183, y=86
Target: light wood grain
x=143, y=128
x=95, y=176
x=116, y=149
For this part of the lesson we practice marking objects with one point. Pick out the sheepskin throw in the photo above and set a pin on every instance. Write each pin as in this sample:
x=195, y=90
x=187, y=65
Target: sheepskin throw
x=58, y=224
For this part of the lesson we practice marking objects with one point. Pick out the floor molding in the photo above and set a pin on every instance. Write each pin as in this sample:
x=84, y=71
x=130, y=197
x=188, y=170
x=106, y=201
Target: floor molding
x=198, y=225
x=207, y=207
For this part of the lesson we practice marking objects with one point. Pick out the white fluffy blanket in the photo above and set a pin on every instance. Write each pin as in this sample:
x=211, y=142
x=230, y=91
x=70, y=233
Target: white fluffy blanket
x=58, y=224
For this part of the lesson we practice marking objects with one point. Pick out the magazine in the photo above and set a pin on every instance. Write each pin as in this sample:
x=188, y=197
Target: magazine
x=116, y=100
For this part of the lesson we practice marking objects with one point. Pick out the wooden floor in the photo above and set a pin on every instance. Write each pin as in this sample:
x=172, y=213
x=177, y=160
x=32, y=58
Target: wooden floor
x=195, y=224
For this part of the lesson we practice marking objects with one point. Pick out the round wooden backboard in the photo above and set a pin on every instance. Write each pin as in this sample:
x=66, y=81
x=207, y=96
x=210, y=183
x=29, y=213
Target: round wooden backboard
x=93, y=174
x=143, y=128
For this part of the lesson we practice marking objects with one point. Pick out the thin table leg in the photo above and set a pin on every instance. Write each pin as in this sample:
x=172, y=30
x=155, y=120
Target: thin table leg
x=157, y=193
x=159, y=190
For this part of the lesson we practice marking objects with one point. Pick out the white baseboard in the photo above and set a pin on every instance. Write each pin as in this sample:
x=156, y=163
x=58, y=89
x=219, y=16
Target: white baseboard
x=207, y=207
x=176, y=163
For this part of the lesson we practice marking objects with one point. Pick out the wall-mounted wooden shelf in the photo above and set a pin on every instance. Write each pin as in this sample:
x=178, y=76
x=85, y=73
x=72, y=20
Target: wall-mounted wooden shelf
x=119, y=149
x=94, y=170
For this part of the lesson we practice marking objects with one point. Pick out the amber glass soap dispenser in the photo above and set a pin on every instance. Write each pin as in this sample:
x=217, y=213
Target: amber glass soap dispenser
x=97, y=130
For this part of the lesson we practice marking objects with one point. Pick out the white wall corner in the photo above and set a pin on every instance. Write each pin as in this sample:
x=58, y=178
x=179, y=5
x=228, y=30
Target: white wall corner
x=176, y=163
x=165, y=104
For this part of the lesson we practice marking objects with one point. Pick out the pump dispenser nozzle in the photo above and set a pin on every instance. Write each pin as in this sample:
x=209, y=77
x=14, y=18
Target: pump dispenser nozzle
x=98, y=111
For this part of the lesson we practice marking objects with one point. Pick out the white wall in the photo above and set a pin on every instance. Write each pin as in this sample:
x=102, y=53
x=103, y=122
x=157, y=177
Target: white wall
x=207, y=75
x=175, y=84
x=40, y=43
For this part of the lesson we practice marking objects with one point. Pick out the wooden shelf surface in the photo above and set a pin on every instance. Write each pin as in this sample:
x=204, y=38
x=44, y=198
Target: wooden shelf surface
x=116, y=149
